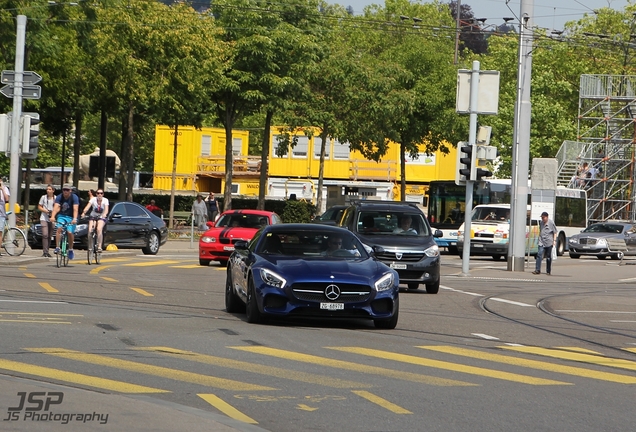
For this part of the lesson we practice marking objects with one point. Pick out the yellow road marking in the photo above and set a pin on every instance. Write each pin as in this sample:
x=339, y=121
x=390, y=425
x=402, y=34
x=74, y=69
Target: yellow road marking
x=534, y=364
x=381, y=402
x=357, y=367
x=111, y=260
x=142, y=292
x=76, y=378
x=630, y=349
x=150, y=263
x=226, y=408
x=22, y=268
x=257, y=368
x=582, y=350
x=109, y=279
x=48, y=287
x=30, y=275
x=305, y=407
x=455, y=367
x=100, y=268
x=206, y=380
x=583, y=358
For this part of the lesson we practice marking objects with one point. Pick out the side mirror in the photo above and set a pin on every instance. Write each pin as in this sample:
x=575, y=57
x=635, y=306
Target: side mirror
x=240, y=245
x=438, y=233
x=115, y=216
x=210, y=224
x=377, y=250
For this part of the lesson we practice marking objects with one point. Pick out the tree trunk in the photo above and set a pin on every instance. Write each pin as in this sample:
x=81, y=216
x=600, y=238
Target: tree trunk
x=77, y=149
x=229, y=162
x=130, y=144
x=402, y=172
x=121, y=189
x=321, y=169
x=102, y=149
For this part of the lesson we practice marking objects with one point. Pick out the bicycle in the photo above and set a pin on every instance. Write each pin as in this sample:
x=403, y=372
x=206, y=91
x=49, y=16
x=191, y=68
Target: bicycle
x=94, y=254
x=62, y=256
x=13, y=239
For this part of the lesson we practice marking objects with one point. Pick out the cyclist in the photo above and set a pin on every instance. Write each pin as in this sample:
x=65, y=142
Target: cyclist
x=65, y=211
x=98, y=206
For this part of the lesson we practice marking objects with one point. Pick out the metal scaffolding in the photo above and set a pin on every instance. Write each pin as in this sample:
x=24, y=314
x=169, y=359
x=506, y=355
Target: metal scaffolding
x=602, y=160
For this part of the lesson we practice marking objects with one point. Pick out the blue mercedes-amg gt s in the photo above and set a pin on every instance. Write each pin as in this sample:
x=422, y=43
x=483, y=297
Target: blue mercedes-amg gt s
x=310, y=270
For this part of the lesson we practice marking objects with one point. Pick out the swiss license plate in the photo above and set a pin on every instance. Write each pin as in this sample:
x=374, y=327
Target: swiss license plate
x=228, y=248
x=398, y=266
x=478, y=245
x=332, y=306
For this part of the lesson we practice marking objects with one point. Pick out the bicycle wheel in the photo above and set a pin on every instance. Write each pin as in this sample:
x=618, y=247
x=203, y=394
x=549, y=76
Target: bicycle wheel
x=91, y=250
x=98, y=255
x=63, y=249
x=58, y=259
x=14, y=242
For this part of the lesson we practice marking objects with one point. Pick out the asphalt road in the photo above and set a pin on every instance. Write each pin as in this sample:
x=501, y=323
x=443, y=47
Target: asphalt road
x=146, y=341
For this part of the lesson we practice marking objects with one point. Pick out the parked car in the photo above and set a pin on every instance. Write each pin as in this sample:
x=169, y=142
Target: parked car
x=313, y=271
x=331, y=216
x=129, y=226
x=217, y=243
x=593, y=240
x=412, y=252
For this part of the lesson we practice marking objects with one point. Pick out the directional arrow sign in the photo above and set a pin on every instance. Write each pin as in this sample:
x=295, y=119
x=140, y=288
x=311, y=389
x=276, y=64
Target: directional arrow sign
x=28, y=91
x=28, y=77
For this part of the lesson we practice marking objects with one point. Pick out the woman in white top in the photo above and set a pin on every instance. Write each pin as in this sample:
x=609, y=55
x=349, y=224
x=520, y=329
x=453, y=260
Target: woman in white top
x=98, y=206
x=46, y=208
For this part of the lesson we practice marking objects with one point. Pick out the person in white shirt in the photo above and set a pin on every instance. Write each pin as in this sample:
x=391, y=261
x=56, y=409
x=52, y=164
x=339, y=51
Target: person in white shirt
x=98, y=206
x=45, y=205
x=405, y=226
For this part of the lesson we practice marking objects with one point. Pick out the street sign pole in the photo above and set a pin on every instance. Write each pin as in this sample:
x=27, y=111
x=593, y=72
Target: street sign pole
x=14, y=174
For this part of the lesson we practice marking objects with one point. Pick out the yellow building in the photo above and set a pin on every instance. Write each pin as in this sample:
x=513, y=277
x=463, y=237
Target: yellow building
x=201, y=167
x=201, y=159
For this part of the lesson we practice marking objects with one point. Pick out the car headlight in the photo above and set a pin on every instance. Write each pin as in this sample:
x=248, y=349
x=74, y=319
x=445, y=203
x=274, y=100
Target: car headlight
x=433, y=251
x=81, y=227
x=206, y=239
x=384, y=283
x=573, y=240
x=601, y=242
x=273, y=279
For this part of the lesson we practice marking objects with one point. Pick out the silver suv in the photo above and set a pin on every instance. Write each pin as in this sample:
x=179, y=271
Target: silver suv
x=400, y=236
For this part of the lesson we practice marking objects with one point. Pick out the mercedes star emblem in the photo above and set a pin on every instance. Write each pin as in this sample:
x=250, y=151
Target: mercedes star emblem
x=332, y=292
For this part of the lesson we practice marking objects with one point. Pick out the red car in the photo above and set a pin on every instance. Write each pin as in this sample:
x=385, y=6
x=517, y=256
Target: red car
x=217, y=243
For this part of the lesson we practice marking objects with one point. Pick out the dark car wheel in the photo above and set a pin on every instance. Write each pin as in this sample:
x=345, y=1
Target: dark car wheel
x=254, y=316
x=223, y=263
x=232, y=302
x=575, y=256
x=204, y=262
x=433, y=288
x=388, y=324
x=153, y=244
x=560, y=245
x=497, y=257
x=601, y=257
x=618, y=256
x=413, y=285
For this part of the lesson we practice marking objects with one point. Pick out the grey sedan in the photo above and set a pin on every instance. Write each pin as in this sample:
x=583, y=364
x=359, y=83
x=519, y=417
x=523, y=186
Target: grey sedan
x=593, y=240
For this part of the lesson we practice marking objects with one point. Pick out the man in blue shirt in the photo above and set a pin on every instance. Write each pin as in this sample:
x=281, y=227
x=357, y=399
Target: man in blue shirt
x=65, y=211
x=547, y=238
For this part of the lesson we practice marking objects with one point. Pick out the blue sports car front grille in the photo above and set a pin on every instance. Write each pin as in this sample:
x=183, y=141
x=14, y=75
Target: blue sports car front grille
x=315, y=292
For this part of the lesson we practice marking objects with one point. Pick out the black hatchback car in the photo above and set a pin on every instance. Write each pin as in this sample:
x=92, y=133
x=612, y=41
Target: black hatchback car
x=400, y=237
x=129, y=226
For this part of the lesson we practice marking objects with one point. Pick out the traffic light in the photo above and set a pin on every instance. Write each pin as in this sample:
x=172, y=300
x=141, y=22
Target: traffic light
x=29, y=134
x=484, y=154
x=465, y=163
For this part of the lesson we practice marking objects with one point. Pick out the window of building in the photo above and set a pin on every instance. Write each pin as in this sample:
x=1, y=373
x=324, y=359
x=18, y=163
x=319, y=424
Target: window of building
x=206, y=145
x=275, y=143
x=237, y=146
x=300, y=149
x=341, y=151
x=317, y=144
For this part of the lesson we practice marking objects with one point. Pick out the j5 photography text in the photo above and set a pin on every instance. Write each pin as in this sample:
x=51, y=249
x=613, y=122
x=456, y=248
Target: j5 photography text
x=36, y=406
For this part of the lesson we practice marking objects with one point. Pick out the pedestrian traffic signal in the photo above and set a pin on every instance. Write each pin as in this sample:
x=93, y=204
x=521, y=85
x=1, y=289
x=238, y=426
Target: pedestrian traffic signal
x=465, y=163
x=29, y=134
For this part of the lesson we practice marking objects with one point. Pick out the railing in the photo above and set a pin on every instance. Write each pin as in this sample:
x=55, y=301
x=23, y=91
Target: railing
x=385, y=170
x=216, y=164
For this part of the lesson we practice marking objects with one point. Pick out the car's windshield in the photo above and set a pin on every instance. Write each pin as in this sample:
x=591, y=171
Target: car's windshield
x=487, y=213
x=317, y=243
x=392, y=222
x=604, y=228
x=242, y=220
